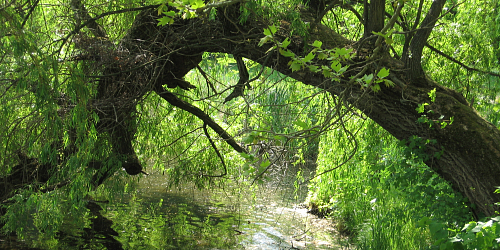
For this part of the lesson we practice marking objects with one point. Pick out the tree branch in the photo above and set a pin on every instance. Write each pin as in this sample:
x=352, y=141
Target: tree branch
x=216, y=151
x=177, y=102
x=414, y=55
x=240, y=86
x=439, y=52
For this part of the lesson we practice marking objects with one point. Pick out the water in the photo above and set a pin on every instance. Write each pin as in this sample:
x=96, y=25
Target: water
x=238, y=216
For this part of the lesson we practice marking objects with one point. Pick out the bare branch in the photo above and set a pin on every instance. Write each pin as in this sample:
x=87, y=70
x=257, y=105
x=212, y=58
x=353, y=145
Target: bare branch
x=176, y=101
x=240, y=86
x=439, y=52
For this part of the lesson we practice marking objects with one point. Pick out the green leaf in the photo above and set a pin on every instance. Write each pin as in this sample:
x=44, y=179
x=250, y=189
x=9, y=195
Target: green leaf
x=322, y=56
x=421, y=108
x=245, y=155
x=269, y=32
x=286, y=53
x=309, y=57
x=389, y=83
x=376, y=87
x=383, y=73
x=301, y=124
x=327, y=73
x=265, y=164
x=196, y=4
x=336, y=66
x=285, y=43
x=432, y=95
x=380, y=34
x=317, y=44
x=248, y=139
x=314, y=68
x=389, y=41
x=165, y=20
x=264, y=40
x=368, y=78
x=160, y=8
x=279, y=137
x=342, y=51
x=273, y=29
x=296, y=65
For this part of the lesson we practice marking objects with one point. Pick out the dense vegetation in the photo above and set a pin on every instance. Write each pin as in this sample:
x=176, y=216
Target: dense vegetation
x=394, y=102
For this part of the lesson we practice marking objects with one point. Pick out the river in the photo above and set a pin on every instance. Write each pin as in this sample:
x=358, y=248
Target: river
x=237, y=216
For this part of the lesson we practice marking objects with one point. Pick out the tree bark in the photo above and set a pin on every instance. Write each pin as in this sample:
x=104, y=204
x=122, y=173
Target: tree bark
x=374, y=17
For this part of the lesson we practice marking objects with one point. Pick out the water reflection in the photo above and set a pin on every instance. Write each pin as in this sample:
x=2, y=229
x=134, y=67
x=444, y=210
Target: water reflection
x=237, y=217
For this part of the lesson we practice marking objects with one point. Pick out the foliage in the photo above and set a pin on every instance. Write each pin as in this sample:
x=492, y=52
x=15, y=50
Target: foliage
x=380, y=191
x=474, y=235
x=380, y=195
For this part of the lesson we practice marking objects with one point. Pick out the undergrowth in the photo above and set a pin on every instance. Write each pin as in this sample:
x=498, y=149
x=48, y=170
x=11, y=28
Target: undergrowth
x=385, y=197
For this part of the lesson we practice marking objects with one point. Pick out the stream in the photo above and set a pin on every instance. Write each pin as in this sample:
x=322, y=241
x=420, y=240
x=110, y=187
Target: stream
x=238, y=216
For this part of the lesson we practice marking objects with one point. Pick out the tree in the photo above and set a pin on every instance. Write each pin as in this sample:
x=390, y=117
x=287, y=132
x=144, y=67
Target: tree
x=71, y=89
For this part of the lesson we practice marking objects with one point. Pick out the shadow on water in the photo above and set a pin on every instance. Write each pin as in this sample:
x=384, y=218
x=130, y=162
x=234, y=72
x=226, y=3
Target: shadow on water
x=238, y=216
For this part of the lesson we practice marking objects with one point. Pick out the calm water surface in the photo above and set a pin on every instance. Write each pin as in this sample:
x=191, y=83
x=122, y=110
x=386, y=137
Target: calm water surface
x=235, y=217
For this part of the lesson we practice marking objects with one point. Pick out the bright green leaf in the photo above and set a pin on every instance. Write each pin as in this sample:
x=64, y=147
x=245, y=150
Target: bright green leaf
x=309, y=57
x=336, y=66
x=273, y=29
x=269, y=32
x=285, y=43
x=383, y=73
x=317, y=44
x=286, y=53
x=421, y=108
x=432, y=95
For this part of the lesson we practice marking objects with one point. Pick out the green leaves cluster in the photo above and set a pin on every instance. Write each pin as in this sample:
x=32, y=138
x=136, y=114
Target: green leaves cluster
x=425, y=119
x=372, y=81
x=336, y=56
x=297, y=63
x=185, y=8
x=474, y=235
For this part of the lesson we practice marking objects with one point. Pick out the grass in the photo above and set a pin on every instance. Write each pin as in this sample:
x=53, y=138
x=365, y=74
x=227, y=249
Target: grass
x=379, y=197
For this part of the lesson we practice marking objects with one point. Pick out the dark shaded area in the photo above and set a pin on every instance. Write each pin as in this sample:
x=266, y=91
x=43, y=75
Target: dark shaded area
x=100, y=227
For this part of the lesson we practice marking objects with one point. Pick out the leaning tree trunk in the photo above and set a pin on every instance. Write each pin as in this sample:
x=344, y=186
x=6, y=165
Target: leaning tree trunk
x=470, y=158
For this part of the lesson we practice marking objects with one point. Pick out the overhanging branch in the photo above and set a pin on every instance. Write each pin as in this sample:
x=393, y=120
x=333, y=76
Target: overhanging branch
x=177, y=102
